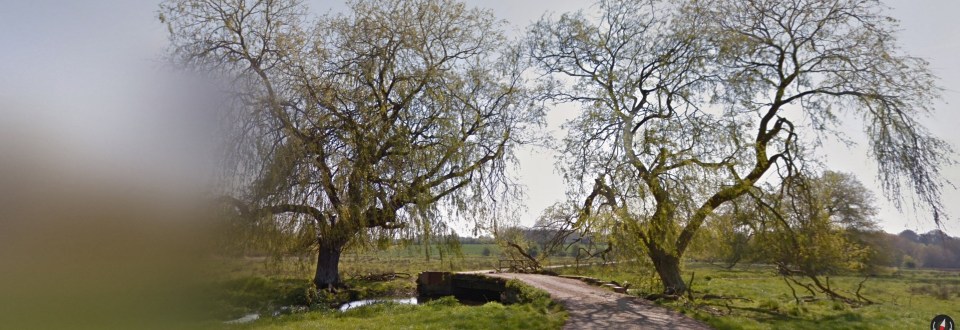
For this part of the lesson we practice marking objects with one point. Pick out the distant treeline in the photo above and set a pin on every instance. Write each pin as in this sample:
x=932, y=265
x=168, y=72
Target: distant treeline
x=477, y=240
x=908, y=249
x=934, y=249
x=536, y=235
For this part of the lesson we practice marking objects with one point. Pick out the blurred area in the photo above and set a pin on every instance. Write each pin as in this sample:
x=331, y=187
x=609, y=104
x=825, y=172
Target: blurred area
x=79, y=255
x=104, y=206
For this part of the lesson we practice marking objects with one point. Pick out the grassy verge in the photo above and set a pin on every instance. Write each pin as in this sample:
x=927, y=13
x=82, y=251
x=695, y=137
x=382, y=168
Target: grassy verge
x=533, y=310
x=264, y=295
x=754, y=297
x=262, y=285
x=444, y=313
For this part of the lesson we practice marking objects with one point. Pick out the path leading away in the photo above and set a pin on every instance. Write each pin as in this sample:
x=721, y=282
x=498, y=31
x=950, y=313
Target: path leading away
x=592, y=307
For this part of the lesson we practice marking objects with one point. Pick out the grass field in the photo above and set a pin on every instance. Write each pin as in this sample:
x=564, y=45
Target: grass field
x=398, y=259
x=444, y=313
x=260, y=285
x=760, y=299
x=754, y=297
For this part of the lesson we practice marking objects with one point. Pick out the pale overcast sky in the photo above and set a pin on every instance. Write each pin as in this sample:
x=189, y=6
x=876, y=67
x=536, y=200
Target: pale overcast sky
x=78, y=74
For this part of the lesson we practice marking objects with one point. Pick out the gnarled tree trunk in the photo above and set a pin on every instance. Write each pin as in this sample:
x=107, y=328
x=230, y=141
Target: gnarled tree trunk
x=328, y=264
x=668, y=267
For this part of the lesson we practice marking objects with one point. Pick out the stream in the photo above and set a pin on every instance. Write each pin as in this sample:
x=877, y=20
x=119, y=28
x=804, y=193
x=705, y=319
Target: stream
x=358, y=303
x=343, y=308
x=245, y=319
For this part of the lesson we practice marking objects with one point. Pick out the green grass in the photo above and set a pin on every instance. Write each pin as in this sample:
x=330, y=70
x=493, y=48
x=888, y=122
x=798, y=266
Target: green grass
x=261, y=285
x=240, y=296
x=907, y=299
x=401, y=259
x=444, y=313
x=532, y=309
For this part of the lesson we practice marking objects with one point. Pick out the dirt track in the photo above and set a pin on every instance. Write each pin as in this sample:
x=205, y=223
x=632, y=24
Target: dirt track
x=593, y=307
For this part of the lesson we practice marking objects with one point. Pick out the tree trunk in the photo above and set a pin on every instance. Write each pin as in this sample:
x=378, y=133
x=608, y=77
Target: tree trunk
x=668, y=267
x=328, y=265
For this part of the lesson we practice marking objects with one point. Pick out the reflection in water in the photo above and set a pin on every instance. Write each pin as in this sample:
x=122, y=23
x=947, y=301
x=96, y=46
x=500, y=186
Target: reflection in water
x=245, y=319
x=358, y=303
x=348, y=306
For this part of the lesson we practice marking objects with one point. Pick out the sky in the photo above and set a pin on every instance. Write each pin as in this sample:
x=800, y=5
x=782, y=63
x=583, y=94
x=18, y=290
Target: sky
x=81, y=79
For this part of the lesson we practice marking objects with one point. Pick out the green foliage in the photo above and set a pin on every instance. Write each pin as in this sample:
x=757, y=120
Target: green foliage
x=303, y=295
x=517, y=292
x=778, y=77
x=810, y=226
x=909, y=263
x=726, y=237
x=449, y=301
x=354, y=128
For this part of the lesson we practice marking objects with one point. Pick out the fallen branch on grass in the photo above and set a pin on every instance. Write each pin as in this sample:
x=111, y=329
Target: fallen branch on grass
x=383, y=277
x=534, y=263
x=859, y=287
x=719, y=297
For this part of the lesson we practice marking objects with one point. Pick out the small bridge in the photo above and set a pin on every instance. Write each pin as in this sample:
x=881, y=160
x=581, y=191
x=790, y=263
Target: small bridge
x=465, y=287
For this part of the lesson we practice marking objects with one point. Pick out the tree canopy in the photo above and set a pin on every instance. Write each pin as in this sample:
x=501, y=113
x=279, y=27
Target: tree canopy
x=401, y=115
x=364, y=122
x=689, y=105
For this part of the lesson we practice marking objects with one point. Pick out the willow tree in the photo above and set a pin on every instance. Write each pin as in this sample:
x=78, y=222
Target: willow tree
x=362, y=123
x=688, y=105
x=808, y=228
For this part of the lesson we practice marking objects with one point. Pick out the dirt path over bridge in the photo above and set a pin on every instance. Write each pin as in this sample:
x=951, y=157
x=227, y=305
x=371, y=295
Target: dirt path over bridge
x=592, y=307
